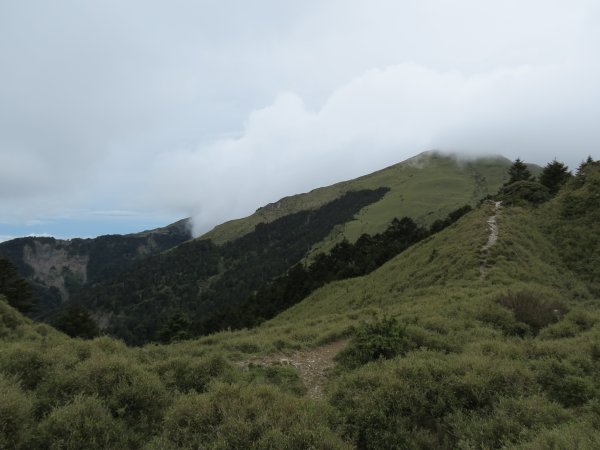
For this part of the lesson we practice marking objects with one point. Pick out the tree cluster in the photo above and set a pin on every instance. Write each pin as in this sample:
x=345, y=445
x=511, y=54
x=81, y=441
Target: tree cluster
x=523, y=188
x=344, y=261
x=16, y=289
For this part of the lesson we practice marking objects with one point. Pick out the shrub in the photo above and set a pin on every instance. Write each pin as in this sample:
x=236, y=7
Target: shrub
x=383, y=339
x=193, y=374
x=575, y=434
x=567, y=381
x=286, y=378
x=231, y=416
x=507, y=423
x=15, y=414
x=523, y=193
x=26, y=362
x=10, y=319
x=532, y=310
x=75, y=321
x=405, y=403
x=503, y=319
x=130, y=392
x=86, y=423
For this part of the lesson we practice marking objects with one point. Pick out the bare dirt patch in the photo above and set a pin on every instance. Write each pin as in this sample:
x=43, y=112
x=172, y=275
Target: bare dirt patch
x=312, y=365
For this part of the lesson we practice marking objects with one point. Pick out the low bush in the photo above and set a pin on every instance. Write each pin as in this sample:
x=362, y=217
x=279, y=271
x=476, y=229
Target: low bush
x=131, y=393
x=284, y=377
x=15, y=414
x=524, y=192
x=407, y=402
x=510, y=420
x=194, y=374
x=578, y=434
x=85, y=423
x=26, y=362
x=571, y=382
x=532, y=310
x=387, y=338
x=382, y=339
x=231, y=416
x=503, y=320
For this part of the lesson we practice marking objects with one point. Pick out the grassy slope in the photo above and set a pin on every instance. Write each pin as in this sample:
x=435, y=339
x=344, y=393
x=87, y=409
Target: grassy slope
x=425, y=187
x=434, y=279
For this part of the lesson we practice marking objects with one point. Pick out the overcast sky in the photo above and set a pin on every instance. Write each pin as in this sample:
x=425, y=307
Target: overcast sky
x=120, y=115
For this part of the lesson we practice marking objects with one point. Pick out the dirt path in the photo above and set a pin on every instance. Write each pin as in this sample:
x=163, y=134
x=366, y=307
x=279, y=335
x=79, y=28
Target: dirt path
x=312, y=365
x=492, y=239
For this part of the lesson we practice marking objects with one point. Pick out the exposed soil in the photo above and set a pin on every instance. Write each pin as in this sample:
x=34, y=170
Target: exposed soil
x=312, y=365
x=492, y=239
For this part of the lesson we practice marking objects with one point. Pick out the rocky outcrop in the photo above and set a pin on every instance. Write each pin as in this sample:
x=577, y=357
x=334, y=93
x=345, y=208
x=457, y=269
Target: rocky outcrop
x=54, y=264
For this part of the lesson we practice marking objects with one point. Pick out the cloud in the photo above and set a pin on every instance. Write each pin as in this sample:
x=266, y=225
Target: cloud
x=380, y=118
x=215, y=108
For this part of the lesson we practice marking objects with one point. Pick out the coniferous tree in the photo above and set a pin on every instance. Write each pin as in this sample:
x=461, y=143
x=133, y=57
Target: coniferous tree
x=75, y=321
x=554, y=175
x=16, y=290
x=519, y=172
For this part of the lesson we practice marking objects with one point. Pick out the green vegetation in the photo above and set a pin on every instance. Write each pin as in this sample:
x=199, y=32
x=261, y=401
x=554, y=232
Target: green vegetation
x=518, y=171
x=524, y=192
x=438, y=356
x=554, y=175
x=75, y=321
x=426, y=187
x=344, y=261
x=69, y=266
x=17, y=290
x=198, y=276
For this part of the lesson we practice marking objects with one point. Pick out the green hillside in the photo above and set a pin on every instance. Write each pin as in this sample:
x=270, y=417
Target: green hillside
x=152, y=300
x=195, y=288
x=131, y=285
x=444, y=346
x=426, y=187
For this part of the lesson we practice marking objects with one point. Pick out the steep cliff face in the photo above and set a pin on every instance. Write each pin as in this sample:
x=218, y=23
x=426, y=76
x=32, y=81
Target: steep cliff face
x=54, y=264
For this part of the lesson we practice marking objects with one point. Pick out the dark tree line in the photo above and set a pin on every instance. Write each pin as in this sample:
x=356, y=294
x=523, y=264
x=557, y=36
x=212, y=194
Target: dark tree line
x=156, y=297
x=345, y=260
x=523, y=188
x=17, y=290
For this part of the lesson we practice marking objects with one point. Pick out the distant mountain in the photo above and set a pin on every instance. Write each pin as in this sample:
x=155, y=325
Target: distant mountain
x=229, y=264
x=57, y=267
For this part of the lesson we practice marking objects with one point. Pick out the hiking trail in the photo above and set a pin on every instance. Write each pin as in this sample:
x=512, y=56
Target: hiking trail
x=312, y=365
x=492, y=239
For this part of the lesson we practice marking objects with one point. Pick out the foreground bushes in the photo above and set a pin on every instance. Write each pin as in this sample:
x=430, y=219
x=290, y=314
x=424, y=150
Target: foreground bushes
x=532, y=310
x=424, y=379
x=234, y=417
x=387, y=338
x=410, y=402
x=15, y=414
x=84, y=423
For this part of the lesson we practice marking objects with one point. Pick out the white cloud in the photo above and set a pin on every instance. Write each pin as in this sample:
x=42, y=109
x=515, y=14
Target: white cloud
x=380, y=118
x=122, y=106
